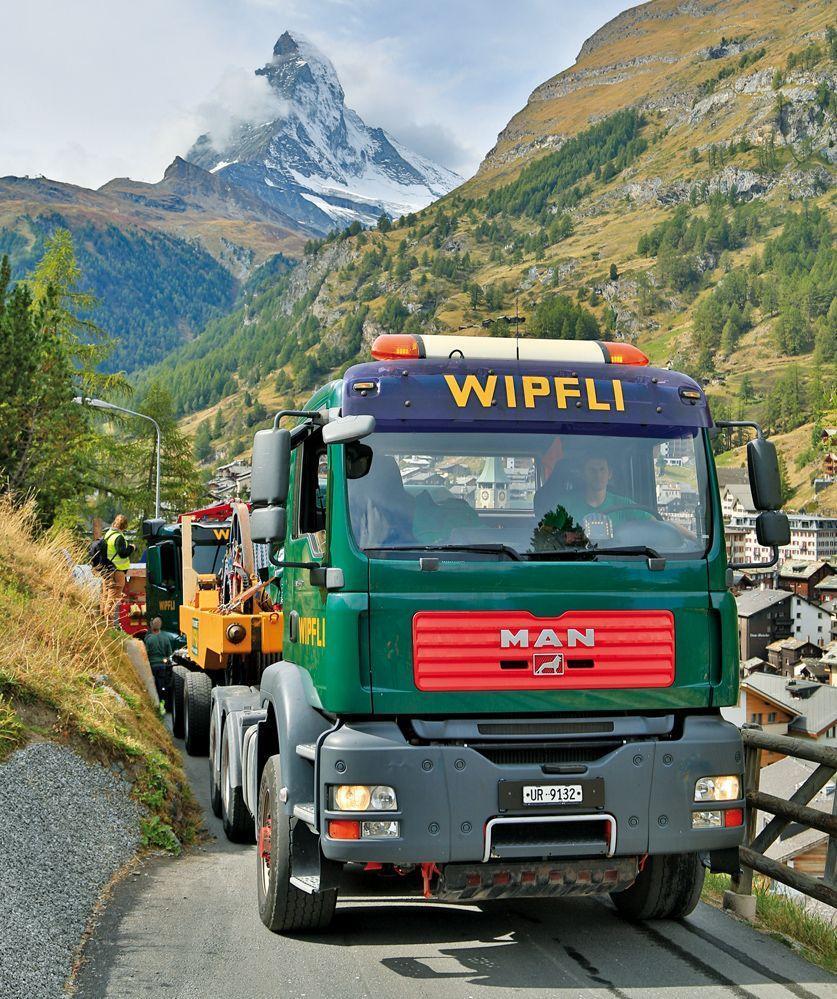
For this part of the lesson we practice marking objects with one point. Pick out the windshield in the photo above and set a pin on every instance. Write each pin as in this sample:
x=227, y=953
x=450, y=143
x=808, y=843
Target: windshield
x=539, y=496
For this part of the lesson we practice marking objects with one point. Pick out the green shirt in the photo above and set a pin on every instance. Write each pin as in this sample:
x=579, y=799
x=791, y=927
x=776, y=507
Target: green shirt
x=158, y=646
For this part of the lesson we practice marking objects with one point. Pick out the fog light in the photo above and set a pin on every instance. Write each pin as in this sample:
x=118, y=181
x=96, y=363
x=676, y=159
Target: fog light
x=343, y=829
x=383, y=799
x=706, y=820
x=352, y=797
x=380, y=830
x=727, y=788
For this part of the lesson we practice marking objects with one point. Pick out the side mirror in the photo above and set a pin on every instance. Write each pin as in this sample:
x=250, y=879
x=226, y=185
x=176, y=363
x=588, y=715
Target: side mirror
x=268, y=525
x=763, y=470
x=772, y=529
x=271, y=468
x=347, y=428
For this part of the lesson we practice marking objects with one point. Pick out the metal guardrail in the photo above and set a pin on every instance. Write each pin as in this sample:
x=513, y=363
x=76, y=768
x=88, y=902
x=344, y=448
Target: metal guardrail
x=794, y=809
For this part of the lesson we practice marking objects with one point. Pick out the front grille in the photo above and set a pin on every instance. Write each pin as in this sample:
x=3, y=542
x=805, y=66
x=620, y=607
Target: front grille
x=590, y=834
x=545, y=728
x=509, y=756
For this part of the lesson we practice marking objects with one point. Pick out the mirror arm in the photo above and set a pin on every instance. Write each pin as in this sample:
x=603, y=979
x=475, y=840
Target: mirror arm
x=733, y=424
x=318, y=416
x=774, y=559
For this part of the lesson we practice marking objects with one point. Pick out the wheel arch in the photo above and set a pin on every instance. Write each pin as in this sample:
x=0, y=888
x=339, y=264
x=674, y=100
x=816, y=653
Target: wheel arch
x=291, y=721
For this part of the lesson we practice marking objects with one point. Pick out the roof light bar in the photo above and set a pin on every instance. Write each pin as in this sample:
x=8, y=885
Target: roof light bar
x=406, y=346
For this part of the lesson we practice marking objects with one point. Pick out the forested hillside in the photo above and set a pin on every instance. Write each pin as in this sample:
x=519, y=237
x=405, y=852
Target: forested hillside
x=674, y=189
x=154, y=292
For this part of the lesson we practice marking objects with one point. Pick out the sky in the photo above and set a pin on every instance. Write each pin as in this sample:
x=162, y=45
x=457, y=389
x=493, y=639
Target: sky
x=96, y=89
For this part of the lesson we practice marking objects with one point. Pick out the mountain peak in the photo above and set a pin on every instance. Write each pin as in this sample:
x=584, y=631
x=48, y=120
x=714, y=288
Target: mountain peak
x=299, y=70
x=317, y=160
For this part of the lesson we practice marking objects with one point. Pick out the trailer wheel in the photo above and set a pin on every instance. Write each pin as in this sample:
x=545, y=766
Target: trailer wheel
x=668, y=887
x=282, y=906
x=197, y=709
x=214, y=772
x=238, y=822
x=178, y=682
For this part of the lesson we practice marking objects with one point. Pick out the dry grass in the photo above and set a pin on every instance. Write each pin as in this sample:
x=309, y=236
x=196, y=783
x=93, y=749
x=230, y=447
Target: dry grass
x=65, y=676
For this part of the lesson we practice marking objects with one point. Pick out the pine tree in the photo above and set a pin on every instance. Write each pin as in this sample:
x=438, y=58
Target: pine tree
x=203, y=442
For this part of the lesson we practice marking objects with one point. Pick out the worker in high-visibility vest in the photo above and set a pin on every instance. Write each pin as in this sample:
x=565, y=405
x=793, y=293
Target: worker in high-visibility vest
x=118, y=561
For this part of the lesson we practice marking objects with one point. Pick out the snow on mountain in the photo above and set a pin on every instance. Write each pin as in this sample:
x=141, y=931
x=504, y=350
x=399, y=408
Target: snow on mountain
x=317, y=160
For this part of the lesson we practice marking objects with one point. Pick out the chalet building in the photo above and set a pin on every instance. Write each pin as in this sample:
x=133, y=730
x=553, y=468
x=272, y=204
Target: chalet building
x=799, y=708
x=800, y=847
x=826, y=589
x=785, y=653
x=763, y=617
x=802, y=578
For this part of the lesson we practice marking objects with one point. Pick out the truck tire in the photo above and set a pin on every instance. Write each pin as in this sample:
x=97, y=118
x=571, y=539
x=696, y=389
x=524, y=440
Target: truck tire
x=282, y=906
x=238, y=822
x=668, y=887
x=197, y=710
x=215, y=731
x=178, y=682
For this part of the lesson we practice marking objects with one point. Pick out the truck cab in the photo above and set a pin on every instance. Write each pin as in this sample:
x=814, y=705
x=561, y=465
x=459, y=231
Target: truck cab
x=508, y=631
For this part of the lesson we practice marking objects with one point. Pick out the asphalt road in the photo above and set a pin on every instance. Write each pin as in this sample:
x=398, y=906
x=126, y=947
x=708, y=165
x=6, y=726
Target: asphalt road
x=190, y=928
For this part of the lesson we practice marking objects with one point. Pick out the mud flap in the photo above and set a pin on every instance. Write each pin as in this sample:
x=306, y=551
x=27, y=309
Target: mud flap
x=310, y=870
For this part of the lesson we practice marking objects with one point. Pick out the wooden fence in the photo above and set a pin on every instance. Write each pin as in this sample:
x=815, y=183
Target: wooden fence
x=795, y=809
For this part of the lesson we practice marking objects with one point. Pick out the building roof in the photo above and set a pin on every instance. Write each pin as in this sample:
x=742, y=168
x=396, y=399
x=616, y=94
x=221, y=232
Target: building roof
x=782, y=779
x=753, y=663
x=813, y=704
x=754, y=601
x=742, y=493
x=829, y=584
x=791, y=644
x=795, y=569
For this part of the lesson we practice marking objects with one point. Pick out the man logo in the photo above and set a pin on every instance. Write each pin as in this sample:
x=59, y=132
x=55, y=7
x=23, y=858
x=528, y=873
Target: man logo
x=548, y=664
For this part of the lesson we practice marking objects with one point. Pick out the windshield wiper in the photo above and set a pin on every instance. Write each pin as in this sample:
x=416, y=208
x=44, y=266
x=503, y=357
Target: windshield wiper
x=488, y=549
x=643, y=550
x=579, y=554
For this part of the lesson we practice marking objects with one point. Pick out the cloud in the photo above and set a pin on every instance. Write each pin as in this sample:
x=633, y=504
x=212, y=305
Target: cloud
x=238, y=97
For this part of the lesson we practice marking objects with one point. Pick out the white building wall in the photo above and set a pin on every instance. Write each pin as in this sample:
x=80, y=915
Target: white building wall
x=810, y=622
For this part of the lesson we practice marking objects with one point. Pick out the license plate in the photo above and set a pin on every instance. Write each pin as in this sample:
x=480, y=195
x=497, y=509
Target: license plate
x=553, y=794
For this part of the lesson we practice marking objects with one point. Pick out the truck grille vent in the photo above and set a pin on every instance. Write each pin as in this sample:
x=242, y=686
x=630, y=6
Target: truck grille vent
x=592, y=834
x=545, y=728
x=508, y=756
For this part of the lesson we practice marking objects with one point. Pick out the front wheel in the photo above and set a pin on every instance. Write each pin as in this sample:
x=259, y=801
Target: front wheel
x=282, y=906
x=667, y=887
x=197, y=708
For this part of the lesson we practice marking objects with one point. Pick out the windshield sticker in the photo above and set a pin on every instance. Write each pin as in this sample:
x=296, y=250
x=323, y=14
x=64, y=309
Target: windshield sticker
x=533, y=391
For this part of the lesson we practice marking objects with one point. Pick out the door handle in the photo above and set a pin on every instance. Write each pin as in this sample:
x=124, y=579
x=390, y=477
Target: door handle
x=293, y=626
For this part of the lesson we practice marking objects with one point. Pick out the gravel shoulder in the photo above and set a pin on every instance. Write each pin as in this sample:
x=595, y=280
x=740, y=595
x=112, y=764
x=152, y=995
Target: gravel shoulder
x=68, y=827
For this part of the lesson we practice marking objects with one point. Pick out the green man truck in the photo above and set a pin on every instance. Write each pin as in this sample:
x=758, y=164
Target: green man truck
x=508, y=633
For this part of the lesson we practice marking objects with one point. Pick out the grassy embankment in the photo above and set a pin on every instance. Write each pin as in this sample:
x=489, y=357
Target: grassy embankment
x=784, y=919
x=64, y=677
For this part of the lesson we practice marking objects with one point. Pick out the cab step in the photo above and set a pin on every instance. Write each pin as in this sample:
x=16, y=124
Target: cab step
x=306, y=813
x=307, y=750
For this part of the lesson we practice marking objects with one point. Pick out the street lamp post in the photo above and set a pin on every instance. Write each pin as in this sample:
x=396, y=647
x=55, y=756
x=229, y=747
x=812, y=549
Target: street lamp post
x=101, y=404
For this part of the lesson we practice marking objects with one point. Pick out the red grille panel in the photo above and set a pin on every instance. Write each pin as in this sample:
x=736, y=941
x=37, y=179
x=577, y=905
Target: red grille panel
x=514, y=650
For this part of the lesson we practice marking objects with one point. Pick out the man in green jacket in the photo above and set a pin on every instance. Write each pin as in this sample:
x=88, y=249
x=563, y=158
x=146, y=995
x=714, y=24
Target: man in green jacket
x=159, y=647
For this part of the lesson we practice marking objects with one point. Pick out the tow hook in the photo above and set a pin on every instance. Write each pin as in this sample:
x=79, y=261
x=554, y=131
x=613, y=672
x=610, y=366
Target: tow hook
x=427, y=872
x=264, y=843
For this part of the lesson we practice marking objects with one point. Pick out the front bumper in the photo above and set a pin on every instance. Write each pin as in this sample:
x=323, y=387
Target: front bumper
x=450, y=806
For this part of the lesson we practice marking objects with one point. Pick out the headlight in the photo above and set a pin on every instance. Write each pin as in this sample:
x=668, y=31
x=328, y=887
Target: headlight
x=365, y=797
x=727, y=788
x=352, y=797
